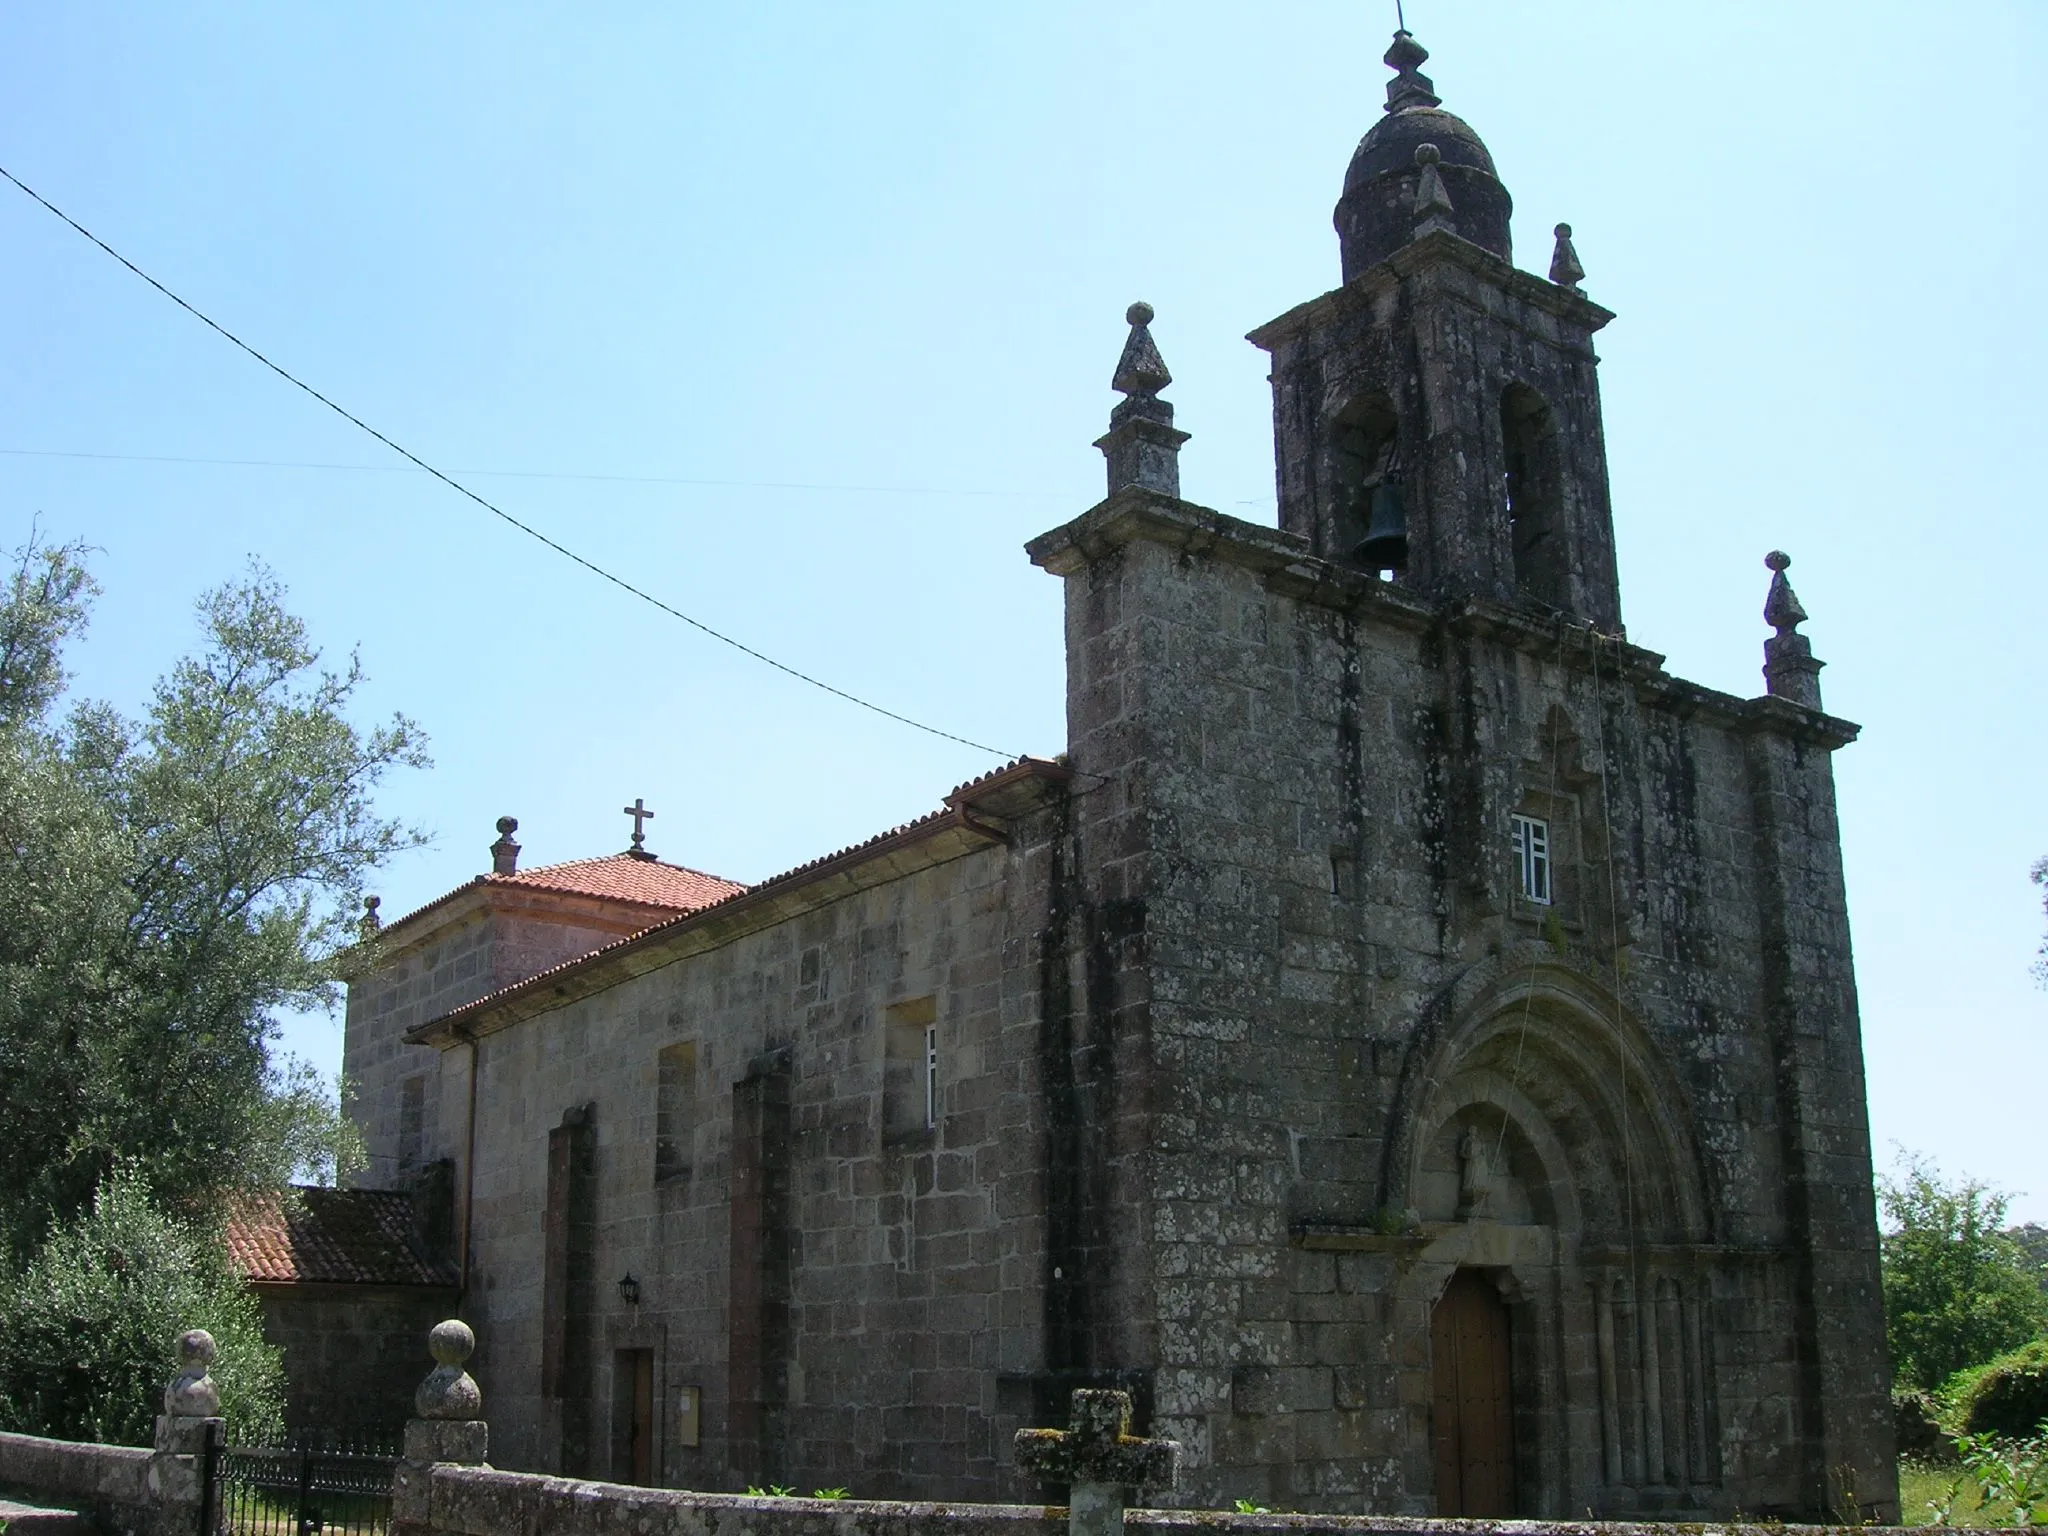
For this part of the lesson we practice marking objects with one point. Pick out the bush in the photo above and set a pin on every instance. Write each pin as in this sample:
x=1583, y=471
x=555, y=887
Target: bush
x=92, y=1326
x=2007, y=1396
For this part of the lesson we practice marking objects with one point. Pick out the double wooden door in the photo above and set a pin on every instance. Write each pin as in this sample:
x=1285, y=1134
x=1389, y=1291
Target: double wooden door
x=1473, y=1423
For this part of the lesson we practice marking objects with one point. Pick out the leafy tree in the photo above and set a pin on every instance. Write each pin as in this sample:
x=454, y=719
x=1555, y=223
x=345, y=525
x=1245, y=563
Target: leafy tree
x=2041, y=879
x=2032, y=1238
x=93, y=1323
x=169, y=885
x=1957, y=1289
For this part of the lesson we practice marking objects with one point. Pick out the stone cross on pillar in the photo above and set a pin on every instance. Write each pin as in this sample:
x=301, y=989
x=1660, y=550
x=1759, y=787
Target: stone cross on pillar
x=641, y=816
x=1097, y=1457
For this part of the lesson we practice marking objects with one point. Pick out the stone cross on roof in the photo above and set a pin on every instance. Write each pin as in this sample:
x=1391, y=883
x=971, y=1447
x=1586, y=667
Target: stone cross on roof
x=1098, y=1457
x=641, y=815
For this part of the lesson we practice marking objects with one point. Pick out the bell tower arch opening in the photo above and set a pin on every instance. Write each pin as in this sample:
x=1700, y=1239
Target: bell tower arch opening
x=1533, y=497
x=1369, y=510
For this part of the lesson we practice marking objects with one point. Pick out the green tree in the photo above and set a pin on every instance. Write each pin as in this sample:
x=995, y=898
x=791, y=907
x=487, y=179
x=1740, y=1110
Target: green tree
x=172, y=883
x=93, y=1323
x=1957, y=1289
x=2041, y=960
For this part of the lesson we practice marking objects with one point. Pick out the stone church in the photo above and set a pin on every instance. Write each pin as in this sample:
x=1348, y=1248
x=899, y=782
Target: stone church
x=1408, y=1038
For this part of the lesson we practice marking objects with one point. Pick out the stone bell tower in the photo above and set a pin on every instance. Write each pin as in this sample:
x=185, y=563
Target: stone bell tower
x=1438, y=416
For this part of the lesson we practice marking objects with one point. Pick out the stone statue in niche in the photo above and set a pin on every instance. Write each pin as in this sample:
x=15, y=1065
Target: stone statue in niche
x=1477, y=1175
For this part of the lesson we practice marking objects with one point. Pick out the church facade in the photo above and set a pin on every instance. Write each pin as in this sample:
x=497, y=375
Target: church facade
x=1408, y=1039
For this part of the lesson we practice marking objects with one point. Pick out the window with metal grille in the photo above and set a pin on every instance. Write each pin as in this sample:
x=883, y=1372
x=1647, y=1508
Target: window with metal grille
x=1532, y=857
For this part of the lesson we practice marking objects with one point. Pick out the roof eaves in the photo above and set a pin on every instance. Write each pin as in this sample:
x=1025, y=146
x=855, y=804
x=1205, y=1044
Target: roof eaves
x=549, y=989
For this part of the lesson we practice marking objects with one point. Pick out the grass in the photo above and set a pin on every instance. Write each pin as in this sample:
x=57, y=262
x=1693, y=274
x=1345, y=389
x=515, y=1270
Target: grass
x=1924, y=1492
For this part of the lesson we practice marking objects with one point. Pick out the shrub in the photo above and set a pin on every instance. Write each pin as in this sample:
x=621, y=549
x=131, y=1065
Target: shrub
x=2007, y=1396
x=91, y=1338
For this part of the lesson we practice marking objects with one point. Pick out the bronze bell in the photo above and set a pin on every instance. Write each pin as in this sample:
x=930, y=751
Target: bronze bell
x=1385, y=545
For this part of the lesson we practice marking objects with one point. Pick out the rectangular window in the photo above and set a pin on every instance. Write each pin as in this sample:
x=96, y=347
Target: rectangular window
x=910, y=1068
x=412, y=1120
x=1532, y=857
x=675, y=1104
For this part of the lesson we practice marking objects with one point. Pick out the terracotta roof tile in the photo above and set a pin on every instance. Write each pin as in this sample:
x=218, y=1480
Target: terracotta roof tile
x=621, y=877
x=332, y=1236
x=668, y=889
x=961, y=795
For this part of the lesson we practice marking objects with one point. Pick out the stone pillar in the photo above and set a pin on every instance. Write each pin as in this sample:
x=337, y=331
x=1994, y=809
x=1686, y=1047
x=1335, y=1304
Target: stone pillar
x=190, y=1418
x=449, y=1428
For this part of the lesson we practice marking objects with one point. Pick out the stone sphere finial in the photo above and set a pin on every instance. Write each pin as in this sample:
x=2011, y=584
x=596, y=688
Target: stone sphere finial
x=192, y=1393
x=449, y=1392
x=1427, y=154
x=1563, y=231
x=507, y=825
x=1139, y=313
x=1777, y=560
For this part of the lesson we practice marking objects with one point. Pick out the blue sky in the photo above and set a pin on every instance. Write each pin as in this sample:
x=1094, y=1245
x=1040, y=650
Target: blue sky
x=843, y=287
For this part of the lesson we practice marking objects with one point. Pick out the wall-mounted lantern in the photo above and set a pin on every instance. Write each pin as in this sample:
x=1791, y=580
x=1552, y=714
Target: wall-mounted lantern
x=629, y=1290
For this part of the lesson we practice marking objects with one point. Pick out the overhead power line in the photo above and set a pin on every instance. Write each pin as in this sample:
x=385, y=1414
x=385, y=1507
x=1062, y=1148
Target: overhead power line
x=528, y=474
x=496, y=511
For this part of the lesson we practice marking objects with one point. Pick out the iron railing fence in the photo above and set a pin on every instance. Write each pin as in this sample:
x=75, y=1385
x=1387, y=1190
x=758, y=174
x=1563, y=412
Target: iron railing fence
x=327, y=1480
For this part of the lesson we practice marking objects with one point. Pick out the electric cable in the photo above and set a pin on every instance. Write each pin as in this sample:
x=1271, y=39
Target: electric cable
x=496, y=511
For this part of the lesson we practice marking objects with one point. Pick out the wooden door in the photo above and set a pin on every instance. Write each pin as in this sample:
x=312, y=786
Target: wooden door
x=1473, y=1425
x=640, y=1447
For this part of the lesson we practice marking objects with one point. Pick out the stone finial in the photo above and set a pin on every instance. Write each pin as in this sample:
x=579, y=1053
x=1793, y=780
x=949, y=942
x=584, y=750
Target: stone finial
x=1791, y=671
x=448, y=1427
x=1140, y=370
x=1781, y=605
x=1142, y=444
x=1098, y=1457
x=505, y=852
x=1565, y=270
x=369, y=923
x=1432, y=201
x=1409, y=87
x=192, y=1393
x=449, y=1392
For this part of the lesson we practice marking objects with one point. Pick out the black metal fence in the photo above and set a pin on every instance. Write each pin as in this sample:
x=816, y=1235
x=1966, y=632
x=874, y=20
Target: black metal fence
x=315, y=1481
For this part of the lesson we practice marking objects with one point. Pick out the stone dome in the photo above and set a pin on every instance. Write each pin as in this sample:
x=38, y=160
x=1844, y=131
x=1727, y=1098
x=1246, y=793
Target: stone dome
x=1376, y=215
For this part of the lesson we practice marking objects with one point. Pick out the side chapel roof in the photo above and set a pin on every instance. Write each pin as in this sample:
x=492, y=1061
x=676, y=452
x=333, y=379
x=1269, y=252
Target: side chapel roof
x=665, y=889
x=332, y=1236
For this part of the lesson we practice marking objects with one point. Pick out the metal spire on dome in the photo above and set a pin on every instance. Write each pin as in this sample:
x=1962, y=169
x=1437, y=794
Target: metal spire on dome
x=1409, y=87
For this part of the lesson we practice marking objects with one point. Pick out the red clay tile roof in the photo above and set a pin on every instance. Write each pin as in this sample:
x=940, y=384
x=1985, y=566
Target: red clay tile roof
x=332, y=1236
x=962, y=795
x=621, y=877
x=668, y=889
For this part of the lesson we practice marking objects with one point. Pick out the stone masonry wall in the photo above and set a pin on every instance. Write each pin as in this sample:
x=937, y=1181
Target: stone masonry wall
x=1343, y=978
x=912, y=1304
x=433, y=964
x=350, y=1352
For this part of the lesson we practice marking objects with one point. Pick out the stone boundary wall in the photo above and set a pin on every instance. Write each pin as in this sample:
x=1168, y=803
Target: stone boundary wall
x=478, y=1501
x=110, y=1483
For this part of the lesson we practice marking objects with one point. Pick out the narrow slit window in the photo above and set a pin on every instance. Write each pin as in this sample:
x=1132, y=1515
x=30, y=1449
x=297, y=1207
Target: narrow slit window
x=1532, y=857
x=931, y=1075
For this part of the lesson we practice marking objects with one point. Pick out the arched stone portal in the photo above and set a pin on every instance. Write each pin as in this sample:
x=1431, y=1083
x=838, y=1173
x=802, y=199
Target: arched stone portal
x=1549, y=1159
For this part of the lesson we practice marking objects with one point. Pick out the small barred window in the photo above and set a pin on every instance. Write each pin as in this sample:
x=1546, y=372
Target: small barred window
x=1532, y=857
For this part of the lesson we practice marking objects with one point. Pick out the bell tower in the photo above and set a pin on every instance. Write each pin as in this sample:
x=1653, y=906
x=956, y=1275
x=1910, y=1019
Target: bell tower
x=1437, y=418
